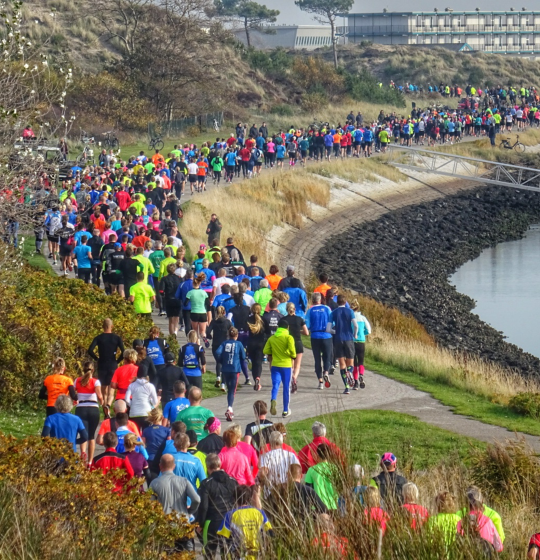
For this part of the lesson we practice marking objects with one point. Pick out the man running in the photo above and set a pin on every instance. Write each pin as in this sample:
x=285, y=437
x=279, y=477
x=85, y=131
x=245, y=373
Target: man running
x=108, y=345
x=343, y=326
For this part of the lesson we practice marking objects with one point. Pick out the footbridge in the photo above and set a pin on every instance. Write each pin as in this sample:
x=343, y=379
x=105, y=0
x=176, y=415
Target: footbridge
x=464, y=167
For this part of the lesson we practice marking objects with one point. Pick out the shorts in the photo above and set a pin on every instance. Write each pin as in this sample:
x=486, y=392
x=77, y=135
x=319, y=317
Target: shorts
x=105, y=373
x=115, y=279
x=65, y=251
x=193, y=178
x=328, y=149
x=370, y=143
x=298, y=346
x=173, y=309
x=304, y=154
x=344, y=349
x=53, y=239
x=356, y=144
x=292, y=155
x=199, y=318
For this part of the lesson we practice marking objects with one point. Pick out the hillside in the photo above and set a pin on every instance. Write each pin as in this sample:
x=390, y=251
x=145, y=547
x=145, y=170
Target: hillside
x=425, y=65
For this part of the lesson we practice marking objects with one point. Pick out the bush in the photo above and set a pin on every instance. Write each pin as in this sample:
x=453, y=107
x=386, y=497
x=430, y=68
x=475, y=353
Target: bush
x=527, y=404
x=54, y=508
x=43, y=317
x=282, y=110
x=314, y=101
x=364, y=87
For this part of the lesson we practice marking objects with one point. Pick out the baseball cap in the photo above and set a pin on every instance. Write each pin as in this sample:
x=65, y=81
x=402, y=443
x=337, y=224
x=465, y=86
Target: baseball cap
x=202, y=246
x=169, y=357
x=389, y=459
x=116, y=245
x=290, y=268
x=137, y=342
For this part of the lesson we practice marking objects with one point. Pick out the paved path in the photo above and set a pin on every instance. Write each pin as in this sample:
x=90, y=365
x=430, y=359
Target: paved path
x=381, y=393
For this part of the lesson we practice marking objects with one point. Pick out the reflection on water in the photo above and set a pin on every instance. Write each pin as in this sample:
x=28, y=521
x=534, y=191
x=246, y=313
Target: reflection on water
x=505, y=282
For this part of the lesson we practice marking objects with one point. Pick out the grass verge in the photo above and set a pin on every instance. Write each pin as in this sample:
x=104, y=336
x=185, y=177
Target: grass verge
x=463, y=402
x=33, y=259
x=367, y=434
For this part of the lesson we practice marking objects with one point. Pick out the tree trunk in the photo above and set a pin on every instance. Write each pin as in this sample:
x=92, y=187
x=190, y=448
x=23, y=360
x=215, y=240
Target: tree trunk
x=333, y=33
x=246, y=27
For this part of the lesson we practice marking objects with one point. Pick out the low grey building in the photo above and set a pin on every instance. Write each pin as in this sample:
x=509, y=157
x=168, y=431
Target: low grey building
x=307, y=37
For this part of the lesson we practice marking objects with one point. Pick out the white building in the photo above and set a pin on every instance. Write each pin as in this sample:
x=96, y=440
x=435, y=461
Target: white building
x=308, y=37
x=516, y=33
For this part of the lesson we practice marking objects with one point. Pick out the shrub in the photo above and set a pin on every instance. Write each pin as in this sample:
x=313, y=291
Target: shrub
x=364, y=87
x=43, y=317
x=527, y=404
x=507, y=472
x=282, y=110
x=53, y=506
x=314, y=101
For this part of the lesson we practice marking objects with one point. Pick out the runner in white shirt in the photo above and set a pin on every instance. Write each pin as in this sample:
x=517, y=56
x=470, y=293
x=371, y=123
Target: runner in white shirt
x=277, y=460
x=220, y=280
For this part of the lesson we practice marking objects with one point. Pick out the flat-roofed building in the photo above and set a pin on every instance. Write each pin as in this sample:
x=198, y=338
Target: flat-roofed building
x=513, y=32
x=307, y=37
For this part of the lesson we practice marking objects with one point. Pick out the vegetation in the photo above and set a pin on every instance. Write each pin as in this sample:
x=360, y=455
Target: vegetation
x=43, y=317
x=53, y=507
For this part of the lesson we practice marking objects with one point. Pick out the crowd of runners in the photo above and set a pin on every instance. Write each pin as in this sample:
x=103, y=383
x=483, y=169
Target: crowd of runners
x=115, y=224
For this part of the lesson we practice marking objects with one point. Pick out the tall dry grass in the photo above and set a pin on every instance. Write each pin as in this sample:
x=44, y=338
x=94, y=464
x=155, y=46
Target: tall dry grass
x=249, y=210
x=359, y=170
x=467, y=373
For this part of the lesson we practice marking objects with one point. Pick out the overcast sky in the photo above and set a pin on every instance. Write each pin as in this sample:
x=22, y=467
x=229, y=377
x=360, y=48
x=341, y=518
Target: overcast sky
x=291, y=15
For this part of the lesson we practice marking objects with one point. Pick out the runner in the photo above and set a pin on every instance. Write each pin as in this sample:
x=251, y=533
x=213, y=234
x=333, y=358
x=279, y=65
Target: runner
x=317, y=319
x=297, y=328
x=56, y=384
x=64, y=425
x=232, y=357
x=193, y=360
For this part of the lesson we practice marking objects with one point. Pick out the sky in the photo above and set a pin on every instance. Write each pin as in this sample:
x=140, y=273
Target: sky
x=292, y=15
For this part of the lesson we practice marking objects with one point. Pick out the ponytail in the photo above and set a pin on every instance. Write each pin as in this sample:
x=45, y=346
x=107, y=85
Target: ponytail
x=88, y=372
x=58, y=365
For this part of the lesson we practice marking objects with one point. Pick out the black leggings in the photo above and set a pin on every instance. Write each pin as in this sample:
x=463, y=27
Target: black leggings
x=255, y=354
x=359, y=351
x=141, y=421
x=231, y=382
x=218, y=364
x=90, y=418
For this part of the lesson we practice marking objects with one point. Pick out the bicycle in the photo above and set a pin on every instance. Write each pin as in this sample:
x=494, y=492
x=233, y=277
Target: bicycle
x=517, y=145
x=86, y=156
x=156, y=143
x=86, y=138
x=110, y=140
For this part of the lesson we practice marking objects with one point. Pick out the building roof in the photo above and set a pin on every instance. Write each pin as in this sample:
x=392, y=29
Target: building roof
x=441, y=12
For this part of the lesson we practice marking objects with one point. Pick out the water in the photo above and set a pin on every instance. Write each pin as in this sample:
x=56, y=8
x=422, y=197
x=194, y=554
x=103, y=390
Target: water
x=505, y=283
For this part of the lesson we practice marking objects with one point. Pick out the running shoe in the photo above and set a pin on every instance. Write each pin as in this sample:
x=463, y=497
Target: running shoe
x=162, y=314
x=54, y=262
x=265, y=359
x=347, y=391
x=321, y=385
x=332, y=370
x=248, y=382
x=362, y=383
x=257, y=384
x=229, y=415
x=50, y=255
x=218, y=382
x=273, y=407
x=206, y=343
x=327, y=383
x=70, y=268
x=355, y=386
x=286, y=413
x=350, y=377
x=223, y=388
x=294, y=387
x=106, y=409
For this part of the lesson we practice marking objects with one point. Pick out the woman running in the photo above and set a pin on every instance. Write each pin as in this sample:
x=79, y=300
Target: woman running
x=297, y=328
x=239, y=315
x=255, y=343
x=141, y=397
x=56, y=384
x=364, y=329
x=89, y=392
x=218, y=330
x=193, y=360
x=200, y=307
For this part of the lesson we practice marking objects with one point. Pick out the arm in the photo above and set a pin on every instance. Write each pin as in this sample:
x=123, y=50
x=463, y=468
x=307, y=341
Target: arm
x=195, y=499
x=99, y=395
x=202, y=359
x=43, y=392
x=91, y=352
x=83, y=436
x=329, y=328
x=127, y=398
x=46, y=432
x=203, y=506
x=72, y=393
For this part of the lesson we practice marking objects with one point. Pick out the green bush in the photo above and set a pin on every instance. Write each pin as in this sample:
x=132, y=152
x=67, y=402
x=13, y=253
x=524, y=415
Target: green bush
x=527, y=404
x=282, y=110
x=43, y=317
x=363, y=87
x=54, y=508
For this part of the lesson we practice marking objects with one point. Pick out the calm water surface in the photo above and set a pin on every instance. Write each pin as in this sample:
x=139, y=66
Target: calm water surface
x=505, y=282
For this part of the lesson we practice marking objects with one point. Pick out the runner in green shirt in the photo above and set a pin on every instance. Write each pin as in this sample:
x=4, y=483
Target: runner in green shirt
x=138, y=205
x=142, y=296
x=217, y=164
x=320, y=476
x=148, y=267
x=165, y=263
x=149, y=167
x=195, y=416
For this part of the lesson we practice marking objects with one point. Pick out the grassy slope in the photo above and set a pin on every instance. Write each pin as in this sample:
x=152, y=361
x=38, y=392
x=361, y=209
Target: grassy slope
x=462, y=402
x=370, y=433
x=29, y=254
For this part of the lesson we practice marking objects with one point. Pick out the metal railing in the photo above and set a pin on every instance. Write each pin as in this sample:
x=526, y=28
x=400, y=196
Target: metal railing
x=463, y=167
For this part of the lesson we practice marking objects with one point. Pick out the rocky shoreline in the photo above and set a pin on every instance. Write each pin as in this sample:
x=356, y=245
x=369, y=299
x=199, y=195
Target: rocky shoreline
x=405, y=257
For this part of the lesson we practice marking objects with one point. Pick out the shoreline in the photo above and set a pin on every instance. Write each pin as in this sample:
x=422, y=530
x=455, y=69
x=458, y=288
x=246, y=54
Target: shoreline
x=404, y=257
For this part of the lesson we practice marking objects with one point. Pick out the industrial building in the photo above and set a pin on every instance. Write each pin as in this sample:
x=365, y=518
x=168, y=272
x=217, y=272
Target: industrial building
x=307, y=37
x=512, y=32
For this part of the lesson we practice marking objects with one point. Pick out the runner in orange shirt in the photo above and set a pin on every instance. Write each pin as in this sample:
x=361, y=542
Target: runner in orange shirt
x=337, y=143
x=124, y=375
x=324, y=286
x=57, y=384
x=273, y=278
x=157, y=158
x=201, y=174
